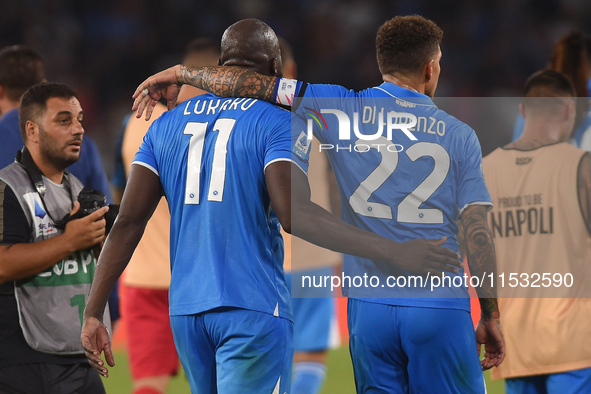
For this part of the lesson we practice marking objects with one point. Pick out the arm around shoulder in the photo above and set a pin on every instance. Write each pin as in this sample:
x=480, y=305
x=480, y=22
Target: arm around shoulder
x=290, y=196
x=221, y=80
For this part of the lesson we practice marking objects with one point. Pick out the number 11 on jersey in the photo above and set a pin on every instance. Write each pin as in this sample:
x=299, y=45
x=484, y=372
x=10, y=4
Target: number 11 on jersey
x=197, y=132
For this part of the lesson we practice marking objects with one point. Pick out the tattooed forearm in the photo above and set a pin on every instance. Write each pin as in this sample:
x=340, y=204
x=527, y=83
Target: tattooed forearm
x=481, y=255
x=229, y=81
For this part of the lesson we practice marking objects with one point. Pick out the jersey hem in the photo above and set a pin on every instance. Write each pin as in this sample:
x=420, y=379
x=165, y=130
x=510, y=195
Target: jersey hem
x=490, y=206
x=149, y=167
x=274, y=161
x=415, y=303
x=194, y=310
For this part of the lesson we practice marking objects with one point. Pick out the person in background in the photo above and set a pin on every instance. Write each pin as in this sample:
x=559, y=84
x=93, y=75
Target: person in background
x=547, y=347
x=586, y=133
x=46, y=269
x=20, y=68
x=153, y=359
x=570, y=56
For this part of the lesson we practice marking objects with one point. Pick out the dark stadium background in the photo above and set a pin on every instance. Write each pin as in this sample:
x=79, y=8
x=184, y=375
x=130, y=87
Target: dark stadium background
x=105, y=48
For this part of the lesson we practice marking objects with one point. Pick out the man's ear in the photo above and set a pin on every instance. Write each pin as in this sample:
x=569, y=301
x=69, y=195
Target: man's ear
x=428, y=71
x=275, y=67
x=571, y=109
x=522, y=109
x=32, y=131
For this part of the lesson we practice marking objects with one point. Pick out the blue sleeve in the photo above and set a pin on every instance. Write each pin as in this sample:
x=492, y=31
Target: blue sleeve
x=119, y=179
x=89, y=169
x=518, y=128
x=471, y=185
x=145, y=155
x=324, y=90
x=583, y=129
x=316, y=97
x=287, y=91
x=277, y=146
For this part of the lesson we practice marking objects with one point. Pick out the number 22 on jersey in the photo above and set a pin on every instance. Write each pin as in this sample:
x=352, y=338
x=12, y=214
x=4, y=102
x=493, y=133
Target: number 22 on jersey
x=408, y=210
x=197, y=132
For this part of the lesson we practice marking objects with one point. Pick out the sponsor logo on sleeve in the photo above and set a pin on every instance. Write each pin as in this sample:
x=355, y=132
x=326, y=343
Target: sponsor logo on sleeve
x=302, y=146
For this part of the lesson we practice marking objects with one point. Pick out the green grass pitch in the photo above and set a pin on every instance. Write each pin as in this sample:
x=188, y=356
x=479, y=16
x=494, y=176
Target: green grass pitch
x=339, y=379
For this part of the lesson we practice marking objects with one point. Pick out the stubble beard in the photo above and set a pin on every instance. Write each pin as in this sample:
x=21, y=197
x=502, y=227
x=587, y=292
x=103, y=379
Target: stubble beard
x=52, y=153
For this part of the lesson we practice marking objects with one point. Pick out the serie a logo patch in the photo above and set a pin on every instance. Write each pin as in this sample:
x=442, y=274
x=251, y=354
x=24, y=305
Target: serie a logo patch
x=302, y=146
x=41, y=220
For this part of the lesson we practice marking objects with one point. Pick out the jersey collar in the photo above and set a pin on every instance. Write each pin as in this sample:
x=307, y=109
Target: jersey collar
x=401, y=93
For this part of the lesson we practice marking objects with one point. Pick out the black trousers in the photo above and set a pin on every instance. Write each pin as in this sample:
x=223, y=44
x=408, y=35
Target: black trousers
x=43, y=378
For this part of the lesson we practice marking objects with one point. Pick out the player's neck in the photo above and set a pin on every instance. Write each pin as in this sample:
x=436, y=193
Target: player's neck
x=405, y=82
x=537, y=134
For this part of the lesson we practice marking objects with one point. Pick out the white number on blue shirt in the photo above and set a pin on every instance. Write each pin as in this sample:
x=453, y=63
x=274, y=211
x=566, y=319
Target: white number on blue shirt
x=359, y=199
x=197, y=131
x=408, y=210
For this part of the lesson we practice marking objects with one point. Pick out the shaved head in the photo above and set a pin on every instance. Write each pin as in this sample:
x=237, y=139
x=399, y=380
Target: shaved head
x=253, y=44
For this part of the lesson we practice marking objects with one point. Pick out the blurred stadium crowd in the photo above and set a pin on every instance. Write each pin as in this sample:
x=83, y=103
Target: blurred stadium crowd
x=105, y=49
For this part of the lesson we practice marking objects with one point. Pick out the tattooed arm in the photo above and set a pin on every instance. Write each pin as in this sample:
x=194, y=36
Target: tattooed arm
x=221, y=80
x=481, y=256
x=229, y=81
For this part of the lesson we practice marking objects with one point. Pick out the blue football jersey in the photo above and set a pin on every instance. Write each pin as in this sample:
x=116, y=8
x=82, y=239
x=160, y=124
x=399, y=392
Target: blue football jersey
x=226, y=249
x=402, y=184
